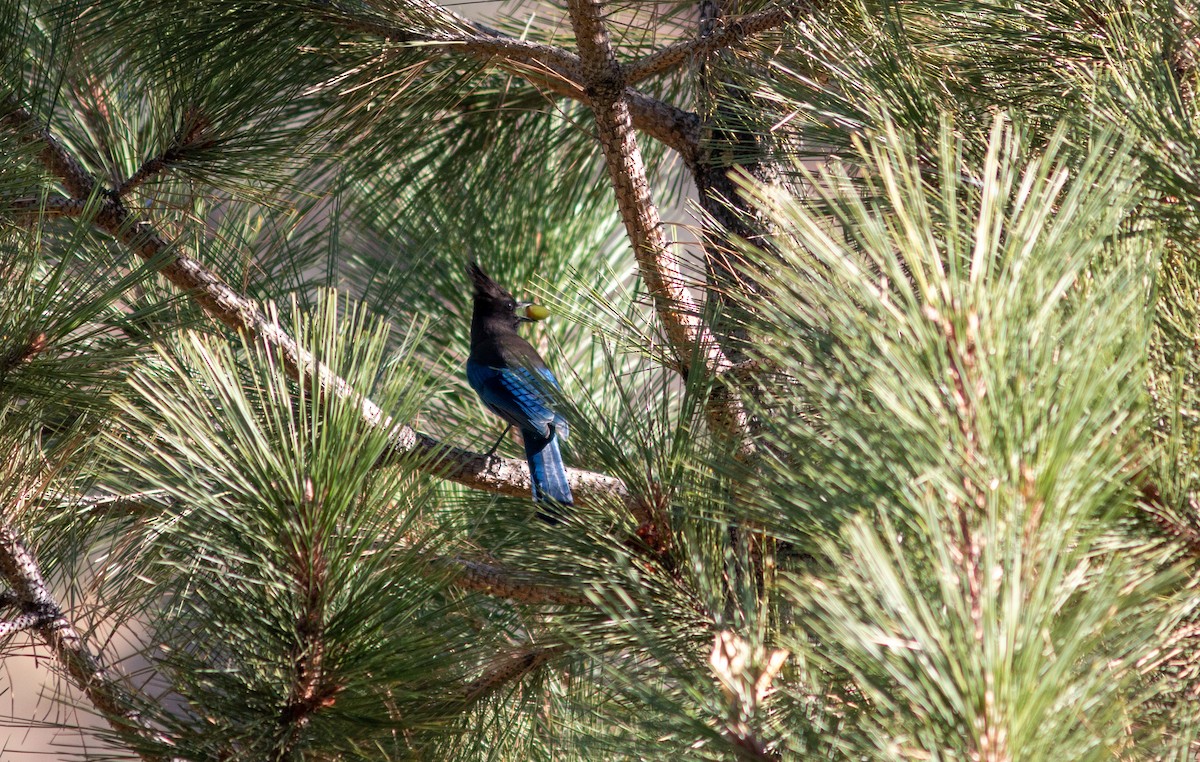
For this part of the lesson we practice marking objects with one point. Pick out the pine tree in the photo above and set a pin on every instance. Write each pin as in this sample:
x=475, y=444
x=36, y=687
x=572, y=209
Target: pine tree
x=897, y=460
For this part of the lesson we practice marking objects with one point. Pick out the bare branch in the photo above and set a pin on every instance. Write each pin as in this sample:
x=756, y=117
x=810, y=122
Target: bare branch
x=54, y=156
x=508, y=476
x=190, y=138
x=149, y=168
x=677, y=310
x=730, y=34
x=675, y=128
x=26, y=209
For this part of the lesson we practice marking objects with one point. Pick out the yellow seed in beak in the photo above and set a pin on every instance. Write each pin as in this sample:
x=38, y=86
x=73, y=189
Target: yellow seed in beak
x=536, y=312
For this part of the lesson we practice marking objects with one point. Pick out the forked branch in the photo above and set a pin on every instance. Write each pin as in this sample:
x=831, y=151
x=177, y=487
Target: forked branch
x=546, y=67
x=689, y=338
x=43, y=614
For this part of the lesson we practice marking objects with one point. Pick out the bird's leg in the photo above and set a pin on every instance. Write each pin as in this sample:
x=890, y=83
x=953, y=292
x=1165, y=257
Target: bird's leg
x=503, y=434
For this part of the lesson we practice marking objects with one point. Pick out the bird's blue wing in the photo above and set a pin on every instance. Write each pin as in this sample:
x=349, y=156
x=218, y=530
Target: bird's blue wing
x=561, y=428
x=518, y=395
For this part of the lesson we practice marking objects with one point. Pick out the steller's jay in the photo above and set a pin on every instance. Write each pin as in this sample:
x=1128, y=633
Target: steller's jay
x=513, y=381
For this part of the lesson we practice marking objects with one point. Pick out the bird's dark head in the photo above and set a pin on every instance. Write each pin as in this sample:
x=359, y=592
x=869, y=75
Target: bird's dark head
x=494, y=303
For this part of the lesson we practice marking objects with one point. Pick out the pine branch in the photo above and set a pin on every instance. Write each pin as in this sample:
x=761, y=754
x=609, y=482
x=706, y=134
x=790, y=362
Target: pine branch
x=605, y=87
x=1182, y=529
x=680, y=314
x=133, y=504
x=191, y=136
x=476, y=39
x=53, y=155
x=43, y=614
x=510, y=668
x=30, y=621
x=495, y=580
x=311, y=689
x=508, y=476
x=492, y=474
x=29, y=209
x=675, y=128
x=544, y=66
x=731, y=33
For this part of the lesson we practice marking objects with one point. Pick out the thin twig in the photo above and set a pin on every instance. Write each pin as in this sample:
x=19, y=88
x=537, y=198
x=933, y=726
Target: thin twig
x=728, y=35
x=133, y=504
x=458, y=32
x=546, y=67
x=480, y=44
x=510, y=668
x=193, y=135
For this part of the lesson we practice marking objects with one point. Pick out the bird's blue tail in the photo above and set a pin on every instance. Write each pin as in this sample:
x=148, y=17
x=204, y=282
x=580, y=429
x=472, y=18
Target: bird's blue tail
x=548, y=473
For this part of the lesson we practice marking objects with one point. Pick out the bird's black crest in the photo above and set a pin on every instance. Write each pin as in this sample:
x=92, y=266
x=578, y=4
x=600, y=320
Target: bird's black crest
x=485, y=286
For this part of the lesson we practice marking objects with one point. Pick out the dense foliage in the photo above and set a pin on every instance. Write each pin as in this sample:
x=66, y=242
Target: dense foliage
x=885, y=441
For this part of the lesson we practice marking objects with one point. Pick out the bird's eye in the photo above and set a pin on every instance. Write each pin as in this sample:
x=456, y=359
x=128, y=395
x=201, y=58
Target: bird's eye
x=511, y=306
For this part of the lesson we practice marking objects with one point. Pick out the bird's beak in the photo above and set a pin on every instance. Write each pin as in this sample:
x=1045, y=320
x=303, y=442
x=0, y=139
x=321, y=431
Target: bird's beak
x=528, y=311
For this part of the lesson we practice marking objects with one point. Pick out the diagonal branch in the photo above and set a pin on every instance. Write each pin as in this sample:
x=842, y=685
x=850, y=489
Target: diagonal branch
x=21, y=572
x=493, y=474
x=190, y=137
x=28, y=210
x=730, y=34
x=53, y=155
x=503, y=583
x=30, y=621
x=510, y=668
x=688, y=336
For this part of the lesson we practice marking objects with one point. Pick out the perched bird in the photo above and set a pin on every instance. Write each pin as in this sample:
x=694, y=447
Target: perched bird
x=513, y=381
